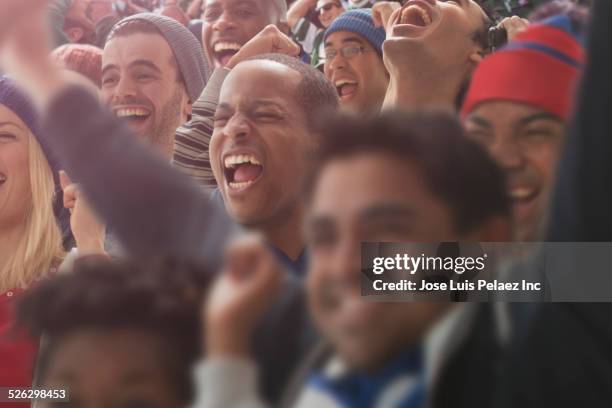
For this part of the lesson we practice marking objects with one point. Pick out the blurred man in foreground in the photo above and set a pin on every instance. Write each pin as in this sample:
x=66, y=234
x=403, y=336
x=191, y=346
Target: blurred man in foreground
x=136, y=323
x=413, y=182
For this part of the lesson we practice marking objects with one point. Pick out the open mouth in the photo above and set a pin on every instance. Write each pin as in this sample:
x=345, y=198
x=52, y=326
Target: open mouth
x=523, y=200
x=416, y=15
x=2, y=179
x=132, y=114
x=415, y=18
x=522, y=194
x=346, y=88
x=241, y=170
x=224, y=51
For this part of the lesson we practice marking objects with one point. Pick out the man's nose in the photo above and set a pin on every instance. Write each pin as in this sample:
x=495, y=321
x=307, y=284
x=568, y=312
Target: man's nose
x=237, y=127
x=224, y=22
x=346, y=263
x=125, y=87
x=508, y=153
x=338, y=62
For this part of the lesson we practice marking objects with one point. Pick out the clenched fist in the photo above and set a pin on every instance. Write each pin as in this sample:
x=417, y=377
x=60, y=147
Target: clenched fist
x=269, y=40
x=247, y=287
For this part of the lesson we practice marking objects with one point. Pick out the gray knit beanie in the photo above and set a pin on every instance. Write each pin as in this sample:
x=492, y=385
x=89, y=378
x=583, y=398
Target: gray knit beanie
x=186, y=48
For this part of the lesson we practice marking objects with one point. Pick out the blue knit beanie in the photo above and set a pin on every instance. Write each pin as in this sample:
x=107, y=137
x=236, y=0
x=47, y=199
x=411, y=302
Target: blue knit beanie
x=19, y=104
x=359, y=21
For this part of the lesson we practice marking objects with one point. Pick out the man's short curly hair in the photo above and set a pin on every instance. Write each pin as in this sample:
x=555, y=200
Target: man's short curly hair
x=455, y=169
x=160, y=297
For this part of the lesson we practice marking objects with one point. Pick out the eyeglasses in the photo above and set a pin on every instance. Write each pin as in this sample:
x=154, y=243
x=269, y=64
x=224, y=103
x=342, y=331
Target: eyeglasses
x=328, y=7
x=347, y=52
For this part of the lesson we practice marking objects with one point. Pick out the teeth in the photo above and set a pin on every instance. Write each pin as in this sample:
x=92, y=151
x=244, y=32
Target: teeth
x=121, y=113
x=227, y=46
x=342, y=82
x=241, y=184
x=520, y=193
x=2, y=178
x=415, y=8
x=231, y=162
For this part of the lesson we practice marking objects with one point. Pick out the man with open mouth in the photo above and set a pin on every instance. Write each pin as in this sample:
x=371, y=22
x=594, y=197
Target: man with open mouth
x=518, y=105
x=152, y=70
x=262, y=146
x=431, y=50
x=354, y=62
x=385, y=179
x=227, y=26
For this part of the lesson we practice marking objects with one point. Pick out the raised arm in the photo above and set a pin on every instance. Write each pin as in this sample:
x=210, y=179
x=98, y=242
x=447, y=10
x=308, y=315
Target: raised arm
x=152, y=208
x=191, y=140
x=299, y=10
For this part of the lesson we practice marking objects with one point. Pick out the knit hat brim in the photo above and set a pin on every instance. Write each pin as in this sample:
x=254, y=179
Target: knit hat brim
x=186, y=48
x=541, y=68
x=359, y=21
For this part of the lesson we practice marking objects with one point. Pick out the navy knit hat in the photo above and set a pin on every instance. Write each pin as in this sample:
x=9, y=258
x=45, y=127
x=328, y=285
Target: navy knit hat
x=19, y=104
x=359, y=21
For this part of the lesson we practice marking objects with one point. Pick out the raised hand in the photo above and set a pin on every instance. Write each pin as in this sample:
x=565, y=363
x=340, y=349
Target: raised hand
x=513, y=25
x=25, y=46
x=89, y=232
x=382, y=11
x=248, y=285
x=268, y=40
x=12, y=12
x=299, y=9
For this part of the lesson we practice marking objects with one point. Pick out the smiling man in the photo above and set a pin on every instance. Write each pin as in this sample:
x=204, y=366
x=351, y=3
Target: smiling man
x=354, y=65
x=263, y=143
x=431, y=50
x=518, y=105
x=394, y=178
x=229, y=24
x=152, y=70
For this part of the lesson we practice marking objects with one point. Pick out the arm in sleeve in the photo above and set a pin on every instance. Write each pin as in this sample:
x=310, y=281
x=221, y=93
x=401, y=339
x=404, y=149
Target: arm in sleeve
x=154, y=209
x=55, y=14
x=226, y=382
x=193, y=138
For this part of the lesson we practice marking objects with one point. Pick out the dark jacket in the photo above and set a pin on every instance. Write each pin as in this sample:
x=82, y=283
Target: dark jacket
x=564, y=358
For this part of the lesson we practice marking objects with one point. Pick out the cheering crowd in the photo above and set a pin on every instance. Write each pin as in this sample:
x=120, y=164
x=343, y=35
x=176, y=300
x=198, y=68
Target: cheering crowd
x=185, y=187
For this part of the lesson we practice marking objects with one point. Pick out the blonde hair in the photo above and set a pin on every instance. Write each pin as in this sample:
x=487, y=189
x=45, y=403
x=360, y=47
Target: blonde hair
x=40, y=246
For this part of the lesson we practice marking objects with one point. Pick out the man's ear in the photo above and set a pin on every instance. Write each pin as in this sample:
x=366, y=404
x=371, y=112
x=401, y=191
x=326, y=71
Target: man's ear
x=187, y=108
x=74, y=34
x=476, y=56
